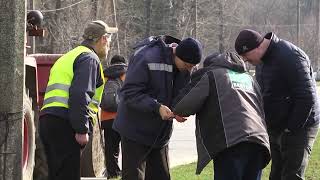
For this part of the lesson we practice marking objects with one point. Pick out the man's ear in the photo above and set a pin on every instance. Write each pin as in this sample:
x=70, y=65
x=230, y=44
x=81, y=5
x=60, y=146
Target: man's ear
x=99, y=41
x=102, y=39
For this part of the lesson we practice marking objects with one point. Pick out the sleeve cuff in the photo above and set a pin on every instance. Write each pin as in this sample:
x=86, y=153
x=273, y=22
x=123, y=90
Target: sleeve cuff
x=157, y=107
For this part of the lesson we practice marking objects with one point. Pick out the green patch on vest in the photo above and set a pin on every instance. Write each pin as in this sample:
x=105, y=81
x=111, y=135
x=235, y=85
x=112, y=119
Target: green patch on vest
x=240, y=80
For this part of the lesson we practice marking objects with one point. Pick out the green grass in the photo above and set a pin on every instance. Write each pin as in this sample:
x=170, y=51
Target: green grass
x=187, y=172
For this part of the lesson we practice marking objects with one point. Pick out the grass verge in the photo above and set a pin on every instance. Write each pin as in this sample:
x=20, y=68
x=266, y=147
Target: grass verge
x=187, y=172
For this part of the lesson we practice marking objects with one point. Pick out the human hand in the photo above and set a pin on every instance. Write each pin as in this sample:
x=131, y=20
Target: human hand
x=165, y=113
x=82, y=139
x=180, y=119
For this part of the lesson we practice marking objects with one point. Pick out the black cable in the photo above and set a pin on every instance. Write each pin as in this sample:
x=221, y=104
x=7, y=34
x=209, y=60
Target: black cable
x=6, y=117
x=161, y=130
x=3, y=118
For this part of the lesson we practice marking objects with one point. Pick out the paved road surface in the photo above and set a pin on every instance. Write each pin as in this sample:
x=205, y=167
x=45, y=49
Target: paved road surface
x=182, y=147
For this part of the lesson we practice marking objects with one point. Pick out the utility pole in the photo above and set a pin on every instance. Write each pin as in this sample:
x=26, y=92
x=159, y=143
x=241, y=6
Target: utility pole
x=12, y=53
x=148, y=4
x=221, y=26
x=116, y=23
x=195, y=18
x=316, y=52
x=298, y=22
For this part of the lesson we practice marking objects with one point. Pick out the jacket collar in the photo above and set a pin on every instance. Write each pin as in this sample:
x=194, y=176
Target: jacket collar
x=273, y=41
x=87, y=44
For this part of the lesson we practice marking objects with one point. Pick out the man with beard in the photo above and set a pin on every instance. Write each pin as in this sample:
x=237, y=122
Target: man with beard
x=71, y=101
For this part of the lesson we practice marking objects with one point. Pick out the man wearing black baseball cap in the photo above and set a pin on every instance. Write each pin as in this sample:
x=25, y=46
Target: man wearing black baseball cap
x=291, y=104
x=158, y=69
x=71, y=101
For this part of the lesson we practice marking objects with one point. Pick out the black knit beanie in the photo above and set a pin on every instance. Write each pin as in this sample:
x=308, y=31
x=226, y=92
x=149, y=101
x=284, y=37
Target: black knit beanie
x=117, y=59
x=189, y=50
x=118, y=65
x=247, y=40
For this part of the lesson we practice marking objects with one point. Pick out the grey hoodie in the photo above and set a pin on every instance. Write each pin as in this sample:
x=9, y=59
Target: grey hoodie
x=228, y=107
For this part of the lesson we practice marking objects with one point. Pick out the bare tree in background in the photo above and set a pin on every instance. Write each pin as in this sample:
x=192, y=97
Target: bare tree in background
x=215, y=23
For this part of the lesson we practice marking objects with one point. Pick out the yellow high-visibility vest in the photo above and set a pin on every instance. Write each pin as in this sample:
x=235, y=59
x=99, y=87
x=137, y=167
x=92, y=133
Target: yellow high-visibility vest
x=61, y=75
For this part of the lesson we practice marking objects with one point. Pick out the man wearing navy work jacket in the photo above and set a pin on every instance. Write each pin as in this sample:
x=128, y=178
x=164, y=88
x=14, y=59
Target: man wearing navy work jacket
x=291, y=104
x=156, y=71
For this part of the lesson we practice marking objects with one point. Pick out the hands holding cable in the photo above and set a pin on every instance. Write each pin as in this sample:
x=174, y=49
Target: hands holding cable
x=167, y=114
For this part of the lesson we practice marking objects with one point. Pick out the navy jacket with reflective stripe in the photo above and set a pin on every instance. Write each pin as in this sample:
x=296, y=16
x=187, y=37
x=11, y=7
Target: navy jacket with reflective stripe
x=151, y=79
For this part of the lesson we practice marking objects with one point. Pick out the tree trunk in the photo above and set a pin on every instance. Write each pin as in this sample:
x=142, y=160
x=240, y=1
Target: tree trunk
x=12, y=52
x=94, y=10
x=54, y=44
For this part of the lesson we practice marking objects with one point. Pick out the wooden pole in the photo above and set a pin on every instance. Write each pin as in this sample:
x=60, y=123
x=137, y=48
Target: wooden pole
x=298, y=22
x=116, y=24
x=316, y=54
x=221, y=27
x=195, y=18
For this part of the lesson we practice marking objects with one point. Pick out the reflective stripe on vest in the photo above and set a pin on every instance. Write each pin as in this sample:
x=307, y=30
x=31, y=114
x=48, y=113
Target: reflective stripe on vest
x=61, y=75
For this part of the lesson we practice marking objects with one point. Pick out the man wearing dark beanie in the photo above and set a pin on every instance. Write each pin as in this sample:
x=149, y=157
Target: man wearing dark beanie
x=157, y=70
x=247, y=41
x=115, y=75
x=291, y=105
x=189, y=50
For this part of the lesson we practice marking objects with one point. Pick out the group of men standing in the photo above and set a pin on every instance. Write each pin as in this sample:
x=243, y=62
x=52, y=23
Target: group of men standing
x=241, y=122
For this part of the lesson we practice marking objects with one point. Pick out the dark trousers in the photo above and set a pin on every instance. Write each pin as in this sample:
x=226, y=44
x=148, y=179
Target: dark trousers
x=290, y=153
x=61, y=148
x=140, y=162
x=111, y=141
x=241, y=162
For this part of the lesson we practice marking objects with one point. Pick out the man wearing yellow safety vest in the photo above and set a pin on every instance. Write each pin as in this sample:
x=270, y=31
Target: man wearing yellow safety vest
x=71, y=101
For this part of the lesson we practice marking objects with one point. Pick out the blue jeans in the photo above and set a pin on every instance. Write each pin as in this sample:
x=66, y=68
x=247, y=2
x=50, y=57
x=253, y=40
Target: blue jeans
x=290, y=153
x=241, y=162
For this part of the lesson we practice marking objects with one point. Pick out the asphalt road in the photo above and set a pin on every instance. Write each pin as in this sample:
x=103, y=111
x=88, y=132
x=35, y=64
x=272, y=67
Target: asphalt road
x=182, y=147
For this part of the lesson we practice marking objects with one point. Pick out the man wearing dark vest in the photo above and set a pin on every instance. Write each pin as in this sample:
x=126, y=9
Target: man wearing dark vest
x=71, y=101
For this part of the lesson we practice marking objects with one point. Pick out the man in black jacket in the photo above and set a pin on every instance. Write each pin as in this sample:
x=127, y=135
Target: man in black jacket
x=230, y=126
x=156, y=71
x=115, y=74
x=289, y=92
